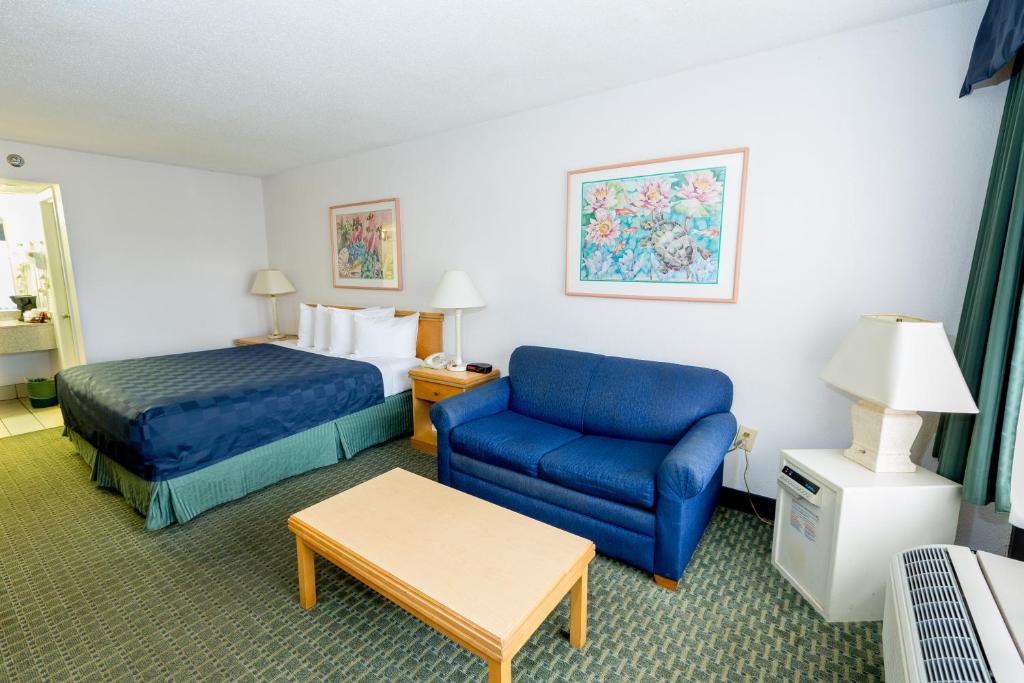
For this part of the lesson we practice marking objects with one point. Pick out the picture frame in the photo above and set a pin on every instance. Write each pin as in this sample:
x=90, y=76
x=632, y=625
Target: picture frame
x=669, y=228
x=366, y=244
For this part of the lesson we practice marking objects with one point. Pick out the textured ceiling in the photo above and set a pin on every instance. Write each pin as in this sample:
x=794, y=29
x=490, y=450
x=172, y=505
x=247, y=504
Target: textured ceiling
x=257, y=87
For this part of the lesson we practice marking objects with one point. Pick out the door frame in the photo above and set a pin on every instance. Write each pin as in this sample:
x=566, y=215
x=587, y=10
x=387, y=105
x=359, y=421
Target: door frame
x=52, y=193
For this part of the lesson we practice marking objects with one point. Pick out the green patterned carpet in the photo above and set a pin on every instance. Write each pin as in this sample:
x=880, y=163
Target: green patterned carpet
x=86, y=594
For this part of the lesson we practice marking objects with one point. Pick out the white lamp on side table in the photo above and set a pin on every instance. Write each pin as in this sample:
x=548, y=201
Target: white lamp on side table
x=896, y=365
x=272, y=283
x=456, y=291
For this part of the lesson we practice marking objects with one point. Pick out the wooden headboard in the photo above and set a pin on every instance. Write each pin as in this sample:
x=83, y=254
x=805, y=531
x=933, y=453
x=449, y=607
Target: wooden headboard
x=429, y=338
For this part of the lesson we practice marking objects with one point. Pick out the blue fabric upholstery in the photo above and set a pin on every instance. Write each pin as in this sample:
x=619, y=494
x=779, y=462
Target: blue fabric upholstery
x=551, y=384
x=613, y=469
x=690, y=466
x=510, y=440
x=689, y=481
x=649, y=401
x=446, y=415
x=614, y=541
x=680, y=524
x=626, y=516
x=625, y=452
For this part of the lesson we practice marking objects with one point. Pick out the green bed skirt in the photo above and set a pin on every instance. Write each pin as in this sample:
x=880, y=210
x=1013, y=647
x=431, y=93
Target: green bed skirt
x=182, y=498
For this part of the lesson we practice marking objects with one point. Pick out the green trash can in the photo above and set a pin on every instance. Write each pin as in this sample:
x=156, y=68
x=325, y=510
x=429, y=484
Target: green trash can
x=42, y=392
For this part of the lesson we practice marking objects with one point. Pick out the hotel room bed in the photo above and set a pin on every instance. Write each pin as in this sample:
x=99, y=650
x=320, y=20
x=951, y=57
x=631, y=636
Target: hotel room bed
x=180, y=434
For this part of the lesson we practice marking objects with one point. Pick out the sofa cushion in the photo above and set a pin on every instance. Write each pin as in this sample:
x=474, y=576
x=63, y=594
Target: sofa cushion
x=551, y=384
x=652, y=401
x=509, y=439
x=610, y=538
x=613, y=469
x=621, y=515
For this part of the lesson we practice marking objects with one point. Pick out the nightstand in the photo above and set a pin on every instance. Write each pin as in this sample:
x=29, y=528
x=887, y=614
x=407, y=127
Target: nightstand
x=249, y=341
x=430, y=386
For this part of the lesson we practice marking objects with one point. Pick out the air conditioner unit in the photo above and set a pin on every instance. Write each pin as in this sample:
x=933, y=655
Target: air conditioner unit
x=953, y=615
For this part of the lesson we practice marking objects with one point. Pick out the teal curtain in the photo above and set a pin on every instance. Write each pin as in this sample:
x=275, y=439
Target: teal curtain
x=978, y=449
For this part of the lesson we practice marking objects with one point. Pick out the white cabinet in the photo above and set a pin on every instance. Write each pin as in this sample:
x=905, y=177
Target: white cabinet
x=837, y=525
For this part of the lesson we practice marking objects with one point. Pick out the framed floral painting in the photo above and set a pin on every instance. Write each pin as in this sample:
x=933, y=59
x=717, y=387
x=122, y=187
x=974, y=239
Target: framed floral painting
x=365, y=245
x=658, y=229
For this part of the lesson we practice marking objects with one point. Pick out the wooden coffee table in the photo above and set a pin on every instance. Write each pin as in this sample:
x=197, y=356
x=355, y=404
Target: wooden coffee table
x=484, y=576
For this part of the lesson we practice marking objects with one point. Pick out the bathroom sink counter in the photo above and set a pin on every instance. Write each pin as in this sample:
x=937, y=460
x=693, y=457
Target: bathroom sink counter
x=17, y=336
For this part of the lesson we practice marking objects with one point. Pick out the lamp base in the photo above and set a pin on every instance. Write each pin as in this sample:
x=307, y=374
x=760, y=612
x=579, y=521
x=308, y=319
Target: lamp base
x=452, y=367
x=882, y=437
x=275, y=331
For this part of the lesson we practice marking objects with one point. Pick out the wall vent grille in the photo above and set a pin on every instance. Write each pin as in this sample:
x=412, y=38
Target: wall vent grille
x=950, y=649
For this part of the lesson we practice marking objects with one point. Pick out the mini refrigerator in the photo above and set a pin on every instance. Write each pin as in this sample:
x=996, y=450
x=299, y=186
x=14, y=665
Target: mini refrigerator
x=838, y=524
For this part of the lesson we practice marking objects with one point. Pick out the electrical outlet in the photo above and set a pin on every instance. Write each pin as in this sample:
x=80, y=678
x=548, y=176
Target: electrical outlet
x=745, y=438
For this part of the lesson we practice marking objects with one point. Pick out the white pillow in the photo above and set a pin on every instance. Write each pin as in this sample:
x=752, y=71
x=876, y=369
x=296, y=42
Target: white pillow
x=343, y=330
x=387, y=337
x=306, y=314
x=376, y=312
x=322, y=328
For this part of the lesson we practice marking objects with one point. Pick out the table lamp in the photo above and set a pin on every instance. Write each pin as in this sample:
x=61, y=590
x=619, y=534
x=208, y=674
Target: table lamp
x=272, y=283
x=456, y=291
x=895, y=365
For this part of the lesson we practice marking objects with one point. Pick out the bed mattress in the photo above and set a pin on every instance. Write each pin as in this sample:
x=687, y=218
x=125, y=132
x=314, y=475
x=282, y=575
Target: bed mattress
x=166, y=416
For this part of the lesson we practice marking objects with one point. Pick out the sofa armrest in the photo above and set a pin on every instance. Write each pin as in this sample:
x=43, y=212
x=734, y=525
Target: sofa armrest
x=692, y=463
x=688, y=484
x=448, y=414
x=487, y=400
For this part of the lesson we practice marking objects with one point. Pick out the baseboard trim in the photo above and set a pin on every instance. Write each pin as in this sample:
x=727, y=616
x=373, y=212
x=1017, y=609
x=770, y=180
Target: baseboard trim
x=736, y=499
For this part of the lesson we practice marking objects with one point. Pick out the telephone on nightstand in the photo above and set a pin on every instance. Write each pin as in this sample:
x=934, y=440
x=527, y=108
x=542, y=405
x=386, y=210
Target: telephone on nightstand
x=437, y=361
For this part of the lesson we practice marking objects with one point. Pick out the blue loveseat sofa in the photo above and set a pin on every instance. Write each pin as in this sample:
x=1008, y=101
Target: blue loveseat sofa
x=627, y=453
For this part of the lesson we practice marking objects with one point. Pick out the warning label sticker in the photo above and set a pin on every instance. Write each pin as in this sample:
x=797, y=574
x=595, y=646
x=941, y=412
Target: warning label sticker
x=804, y=519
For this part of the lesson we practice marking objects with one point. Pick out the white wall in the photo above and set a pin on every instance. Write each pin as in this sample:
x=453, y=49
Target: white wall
x=23, y=222
x=15, y=368
x=163, y=256
x=866, y=181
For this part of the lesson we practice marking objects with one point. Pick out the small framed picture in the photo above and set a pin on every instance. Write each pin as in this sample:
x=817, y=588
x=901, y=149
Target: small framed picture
x=668, y=228
x=366, y=244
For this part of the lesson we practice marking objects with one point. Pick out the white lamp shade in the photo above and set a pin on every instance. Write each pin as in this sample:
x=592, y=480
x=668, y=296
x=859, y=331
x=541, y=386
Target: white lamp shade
x=456, y=290
x=901, y=362
x=271, y=283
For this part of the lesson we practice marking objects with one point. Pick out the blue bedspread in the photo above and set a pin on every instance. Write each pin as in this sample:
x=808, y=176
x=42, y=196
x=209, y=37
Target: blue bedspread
x=169, y=415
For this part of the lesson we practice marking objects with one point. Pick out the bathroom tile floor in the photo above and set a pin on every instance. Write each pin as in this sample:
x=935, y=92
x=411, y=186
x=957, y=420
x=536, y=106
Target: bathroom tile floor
x=17, y=416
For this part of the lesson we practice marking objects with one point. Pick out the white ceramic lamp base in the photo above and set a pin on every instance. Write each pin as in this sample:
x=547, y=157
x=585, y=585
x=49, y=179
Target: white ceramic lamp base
x=458, y=365
x=882, y=437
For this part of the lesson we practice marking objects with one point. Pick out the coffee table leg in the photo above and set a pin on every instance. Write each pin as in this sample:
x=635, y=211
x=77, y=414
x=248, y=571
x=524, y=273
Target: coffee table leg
x=307, y=574
x=499, y=671
x=578, y=611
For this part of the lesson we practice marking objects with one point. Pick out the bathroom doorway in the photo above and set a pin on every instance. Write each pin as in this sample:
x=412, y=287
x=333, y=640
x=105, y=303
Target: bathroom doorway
x=40, y=329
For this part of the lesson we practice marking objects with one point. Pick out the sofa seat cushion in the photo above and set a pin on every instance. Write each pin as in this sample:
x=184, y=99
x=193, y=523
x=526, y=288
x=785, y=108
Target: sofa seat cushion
x=613, y=469
x=511, y=440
